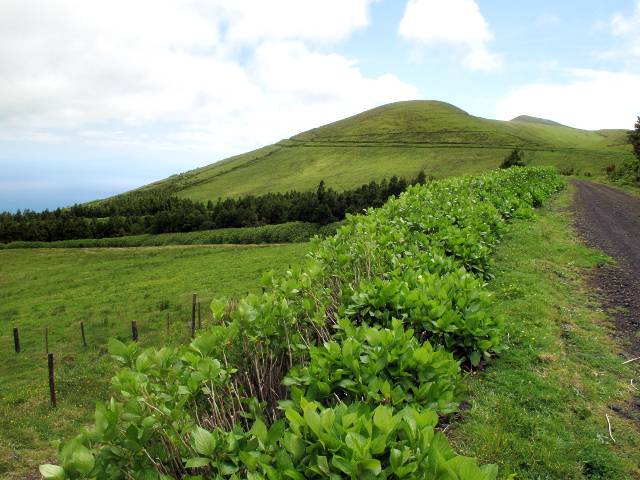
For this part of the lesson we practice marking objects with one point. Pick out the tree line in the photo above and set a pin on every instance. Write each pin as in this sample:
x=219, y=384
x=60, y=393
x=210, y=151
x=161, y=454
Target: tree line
x=156, y=212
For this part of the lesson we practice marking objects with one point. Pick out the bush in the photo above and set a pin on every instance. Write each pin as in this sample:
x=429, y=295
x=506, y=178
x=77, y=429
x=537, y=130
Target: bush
x=379, y=366
x=515, y=159
x=448, y=309
x=358, y=441
x=346, y=441
x=628, y=172
x=404, y=284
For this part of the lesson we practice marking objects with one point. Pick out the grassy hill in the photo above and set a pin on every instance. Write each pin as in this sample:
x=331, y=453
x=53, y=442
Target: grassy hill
x=398, y=139
x=543, y=121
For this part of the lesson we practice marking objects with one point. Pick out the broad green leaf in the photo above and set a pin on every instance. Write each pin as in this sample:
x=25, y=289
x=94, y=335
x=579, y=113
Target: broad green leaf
x=203, y=441
x=197, y=462
x=474, y=358
x=82, y=460
x=218, y=307
x=260, y=431
x=356, y=442
x=295, y=420
x=395, y=459
x=312, y=419
x=52, y=472
x=323, y=464
x=343, y=465
x=294, y=445
x=227, y=468
x=372, y=465
x=383, y=419
x=118, y=349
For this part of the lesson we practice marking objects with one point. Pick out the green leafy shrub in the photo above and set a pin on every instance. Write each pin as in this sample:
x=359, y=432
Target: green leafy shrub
x=448, y=309
x=357, y=441
x=379, y=366
x=404, y=284
x=346, y=441
x=627, y=173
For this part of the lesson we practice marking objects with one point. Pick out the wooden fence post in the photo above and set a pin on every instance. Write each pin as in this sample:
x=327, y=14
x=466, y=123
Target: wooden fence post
x=167, y=324
x=46, y=340
x=134, y=330
x=199, y=316
x=193, y=316
x=16, y=339
x=84, y=340
x=52, y=384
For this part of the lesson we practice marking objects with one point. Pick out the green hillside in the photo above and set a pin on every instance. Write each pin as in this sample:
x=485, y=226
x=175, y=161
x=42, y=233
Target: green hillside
x=530, y=119
x=398, y=139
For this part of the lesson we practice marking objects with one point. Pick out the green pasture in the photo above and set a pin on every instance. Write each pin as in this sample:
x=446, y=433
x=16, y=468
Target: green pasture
x=105, y=289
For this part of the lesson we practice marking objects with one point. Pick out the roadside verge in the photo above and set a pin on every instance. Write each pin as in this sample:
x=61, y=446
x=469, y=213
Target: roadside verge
x=540, y=410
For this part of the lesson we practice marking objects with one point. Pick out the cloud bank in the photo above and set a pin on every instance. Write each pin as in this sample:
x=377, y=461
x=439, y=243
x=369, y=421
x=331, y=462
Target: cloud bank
x=627, y=27
x=452, y=23
x=589, y=99
x=203, y=74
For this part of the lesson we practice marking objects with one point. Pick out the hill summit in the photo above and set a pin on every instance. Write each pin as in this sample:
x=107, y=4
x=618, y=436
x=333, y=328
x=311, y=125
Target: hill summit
x=400, y=139
x=542, y=121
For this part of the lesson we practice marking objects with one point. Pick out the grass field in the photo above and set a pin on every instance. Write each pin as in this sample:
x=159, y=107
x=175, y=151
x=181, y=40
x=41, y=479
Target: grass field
x=539, y=410
x=398, y=139
x=106, y=289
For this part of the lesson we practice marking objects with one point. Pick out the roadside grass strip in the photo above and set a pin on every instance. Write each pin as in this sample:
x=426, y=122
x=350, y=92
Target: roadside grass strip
x=545, y=407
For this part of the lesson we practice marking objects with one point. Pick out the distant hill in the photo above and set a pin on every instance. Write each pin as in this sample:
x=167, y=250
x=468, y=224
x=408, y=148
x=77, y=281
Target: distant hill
x=543, y=121
x=398, y=139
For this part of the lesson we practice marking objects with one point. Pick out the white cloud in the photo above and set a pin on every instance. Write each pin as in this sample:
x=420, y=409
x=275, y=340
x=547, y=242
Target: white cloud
x=622, y=24
x=220, y=76
x=627, y=27
x=309, y=20
x=451, y=23
x=591, y=99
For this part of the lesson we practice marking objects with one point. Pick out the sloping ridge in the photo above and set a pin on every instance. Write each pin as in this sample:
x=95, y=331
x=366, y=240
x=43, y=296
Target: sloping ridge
x=542, y=121
x=396, y=139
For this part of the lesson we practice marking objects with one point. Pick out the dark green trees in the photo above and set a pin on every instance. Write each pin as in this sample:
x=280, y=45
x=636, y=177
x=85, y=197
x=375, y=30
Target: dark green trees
x=161, y=212
x=515, y=159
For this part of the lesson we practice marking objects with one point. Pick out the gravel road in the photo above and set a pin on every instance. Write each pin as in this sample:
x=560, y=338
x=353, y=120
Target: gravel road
x=609, y=219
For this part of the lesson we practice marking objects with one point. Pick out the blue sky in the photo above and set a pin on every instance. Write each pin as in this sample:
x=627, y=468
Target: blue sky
x=101, y=97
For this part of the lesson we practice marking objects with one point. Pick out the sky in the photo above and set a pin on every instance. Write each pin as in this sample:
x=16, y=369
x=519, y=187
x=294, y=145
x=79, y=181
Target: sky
x=99, y=97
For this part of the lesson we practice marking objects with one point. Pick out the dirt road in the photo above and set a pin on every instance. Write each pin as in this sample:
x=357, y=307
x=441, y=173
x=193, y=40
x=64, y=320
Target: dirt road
x=610, y=220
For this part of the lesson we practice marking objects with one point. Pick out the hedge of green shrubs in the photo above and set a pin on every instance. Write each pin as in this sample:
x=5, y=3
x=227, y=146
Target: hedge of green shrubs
x=340, y=369
x=292, y=232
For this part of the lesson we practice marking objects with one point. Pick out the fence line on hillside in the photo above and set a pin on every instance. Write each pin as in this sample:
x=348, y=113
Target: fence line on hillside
x=22, y=347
